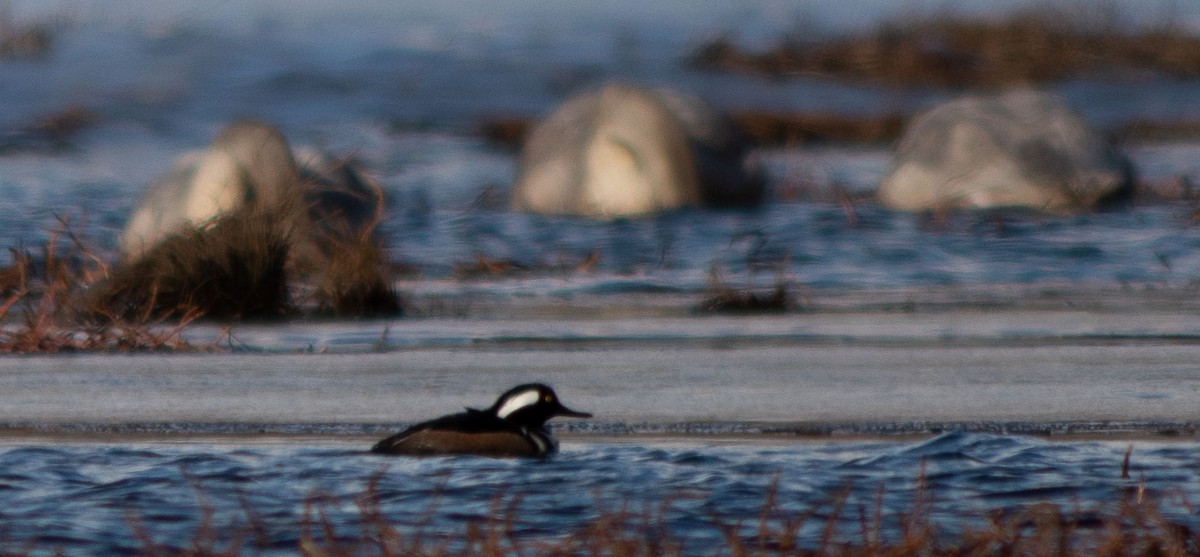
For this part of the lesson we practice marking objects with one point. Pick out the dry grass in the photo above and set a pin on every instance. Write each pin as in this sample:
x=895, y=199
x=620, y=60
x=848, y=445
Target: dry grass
x=1046, y=44
x=357, y=283
x=46, y=305
x=264, y=263
x=62, y=297
x=484, y=267
x=23, y=40
x=790, y=129
x=1132, y=525
x=241, y=268
x=234, y=269
x=759, y=127
x=727, y=299
x=51, y=132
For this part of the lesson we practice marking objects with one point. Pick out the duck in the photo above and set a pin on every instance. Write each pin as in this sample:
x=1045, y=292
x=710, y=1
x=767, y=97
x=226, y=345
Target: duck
x=515, y=426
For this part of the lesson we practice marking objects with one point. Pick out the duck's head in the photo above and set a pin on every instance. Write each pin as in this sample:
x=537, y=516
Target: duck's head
x=531, y=405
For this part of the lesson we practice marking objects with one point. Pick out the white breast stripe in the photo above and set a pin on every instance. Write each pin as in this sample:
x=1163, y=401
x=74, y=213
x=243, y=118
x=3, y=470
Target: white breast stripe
x=543, y=443
x=527, y=398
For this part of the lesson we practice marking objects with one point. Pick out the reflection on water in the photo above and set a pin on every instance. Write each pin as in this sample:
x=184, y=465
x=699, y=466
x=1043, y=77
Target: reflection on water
x=85, y=498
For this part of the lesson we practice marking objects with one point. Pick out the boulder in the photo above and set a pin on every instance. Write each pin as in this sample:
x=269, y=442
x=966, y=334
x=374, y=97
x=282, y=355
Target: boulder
x=626, y=151
x=1023, y=148
x=249, y=214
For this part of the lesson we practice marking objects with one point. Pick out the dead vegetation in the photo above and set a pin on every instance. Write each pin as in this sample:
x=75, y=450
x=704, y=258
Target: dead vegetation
x=50, y=133
x=485, y=267
x=761, y=128
x=791, y=129
x=1133, y=524
x=358, y=282
x=1045, y=44
x=63, y=297
x=725, y=298
x=47, y=305
x=242, y=267
x=234, y=269
x=23, y=40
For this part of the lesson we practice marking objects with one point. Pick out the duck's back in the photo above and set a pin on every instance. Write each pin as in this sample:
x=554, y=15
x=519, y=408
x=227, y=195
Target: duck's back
x=471, y=432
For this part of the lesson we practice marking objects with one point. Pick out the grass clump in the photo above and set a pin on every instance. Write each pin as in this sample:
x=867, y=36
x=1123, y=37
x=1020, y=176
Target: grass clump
x=355, y=284
x=236, y=268
x=725, y=298
x=47, y=305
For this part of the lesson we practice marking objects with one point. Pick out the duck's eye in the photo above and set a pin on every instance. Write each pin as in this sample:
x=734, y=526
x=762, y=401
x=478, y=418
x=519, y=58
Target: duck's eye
x=549, y=398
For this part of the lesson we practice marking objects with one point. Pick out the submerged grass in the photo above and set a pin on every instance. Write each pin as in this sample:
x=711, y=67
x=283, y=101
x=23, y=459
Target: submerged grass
x=1131, y=525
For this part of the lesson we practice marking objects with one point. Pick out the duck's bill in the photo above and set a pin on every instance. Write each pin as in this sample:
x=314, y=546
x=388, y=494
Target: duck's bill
x=564, y=411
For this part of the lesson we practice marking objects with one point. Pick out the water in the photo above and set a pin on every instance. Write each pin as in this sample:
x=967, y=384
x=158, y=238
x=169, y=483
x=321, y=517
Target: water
x=403, y=87
x=88, y=498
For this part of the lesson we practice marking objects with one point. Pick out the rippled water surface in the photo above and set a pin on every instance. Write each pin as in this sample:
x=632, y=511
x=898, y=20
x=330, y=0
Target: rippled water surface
x=404, y=88
x=88, y=498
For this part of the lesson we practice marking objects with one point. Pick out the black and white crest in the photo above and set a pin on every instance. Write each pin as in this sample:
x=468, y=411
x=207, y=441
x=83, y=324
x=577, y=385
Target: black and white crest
x=513, y=426
x=512, y=402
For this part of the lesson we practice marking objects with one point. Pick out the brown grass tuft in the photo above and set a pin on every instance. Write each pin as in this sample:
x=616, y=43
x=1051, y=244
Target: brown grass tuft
x=235, y=268
x=45, y=308
x=260, y=264
x=723, y=298
x=357, y=283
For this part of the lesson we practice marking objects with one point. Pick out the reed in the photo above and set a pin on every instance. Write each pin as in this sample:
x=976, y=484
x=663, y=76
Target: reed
x=236, y=268
x=47, y=305
x=724, y=298
x=1130, y=525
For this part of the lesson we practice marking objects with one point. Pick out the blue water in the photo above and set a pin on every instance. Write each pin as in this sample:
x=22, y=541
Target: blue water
x=90, y=498
x=404, y=87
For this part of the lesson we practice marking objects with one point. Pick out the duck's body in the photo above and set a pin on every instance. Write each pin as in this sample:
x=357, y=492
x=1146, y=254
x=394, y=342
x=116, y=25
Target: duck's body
x=513, y=427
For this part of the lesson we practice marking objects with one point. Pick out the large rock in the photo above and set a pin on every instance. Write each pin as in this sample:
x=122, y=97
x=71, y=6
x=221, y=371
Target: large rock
x=251, y=167
x=249, y=214
x=1020, y=149
x=625, y=151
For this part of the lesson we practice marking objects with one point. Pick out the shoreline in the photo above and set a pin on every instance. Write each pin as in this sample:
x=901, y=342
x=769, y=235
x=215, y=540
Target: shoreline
x=758, y=433
x=1035, y=360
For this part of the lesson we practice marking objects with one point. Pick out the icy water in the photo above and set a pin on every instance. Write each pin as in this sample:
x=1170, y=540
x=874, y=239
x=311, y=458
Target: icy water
x=403, y=86
x=89, y=498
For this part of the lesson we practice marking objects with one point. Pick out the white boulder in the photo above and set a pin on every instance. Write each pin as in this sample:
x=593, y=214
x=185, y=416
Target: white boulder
x=626, y=151
x=1023, y=148
x=251, y=167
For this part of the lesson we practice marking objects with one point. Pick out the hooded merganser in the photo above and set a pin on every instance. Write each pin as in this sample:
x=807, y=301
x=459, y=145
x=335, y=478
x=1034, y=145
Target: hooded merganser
x=514, y=426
